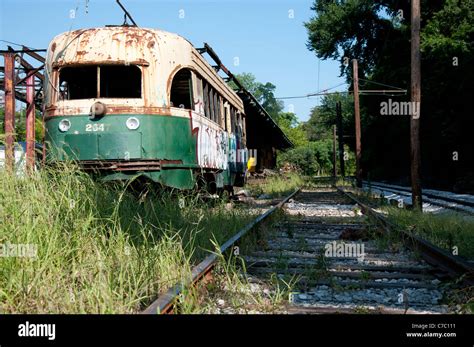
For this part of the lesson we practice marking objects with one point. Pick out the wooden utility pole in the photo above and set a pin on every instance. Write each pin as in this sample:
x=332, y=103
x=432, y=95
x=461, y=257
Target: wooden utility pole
x=340, y=138
x=416, y=102
x=357, y=122
x=334, y=153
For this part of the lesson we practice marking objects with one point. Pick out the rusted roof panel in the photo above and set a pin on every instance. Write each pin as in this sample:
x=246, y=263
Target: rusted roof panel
x=162, y=54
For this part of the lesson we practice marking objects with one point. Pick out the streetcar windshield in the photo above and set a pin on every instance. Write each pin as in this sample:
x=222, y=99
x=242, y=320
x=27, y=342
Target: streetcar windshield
x=115, y=81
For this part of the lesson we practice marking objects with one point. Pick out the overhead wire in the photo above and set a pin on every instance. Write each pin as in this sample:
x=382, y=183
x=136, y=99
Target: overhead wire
x=380, y=84
x=318, y=93
x=17, y=44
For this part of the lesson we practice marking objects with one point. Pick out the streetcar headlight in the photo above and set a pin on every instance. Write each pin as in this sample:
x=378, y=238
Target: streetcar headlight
x=133, y=123
x=64, y=125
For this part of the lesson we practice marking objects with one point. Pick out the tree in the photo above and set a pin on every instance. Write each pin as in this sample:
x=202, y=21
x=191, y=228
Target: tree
x=263, y=92
x=315, y=158
x=323, y=117
x=310, y=157
x=295, y=131
x=20, y=126
x=376, y=32
x=360, y=29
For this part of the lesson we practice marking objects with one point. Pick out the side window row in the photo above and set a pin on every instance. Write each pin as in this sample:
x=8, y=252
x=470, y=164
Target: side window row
x=202, y=97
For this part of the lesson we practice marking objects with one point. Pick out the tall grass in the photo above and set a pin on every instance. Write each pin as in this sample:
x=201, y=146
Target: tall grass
x=445, y=230
x=100, y=248
x=278, y=185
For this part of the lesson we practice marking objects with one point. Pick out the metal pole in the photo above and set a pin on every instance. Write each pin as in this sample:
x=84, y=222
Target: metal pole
x=415, y=154
x=357, y=122
x=334, y=152
x=126, y=12
x=9, y=75
x=30, y=123
x=340, y=138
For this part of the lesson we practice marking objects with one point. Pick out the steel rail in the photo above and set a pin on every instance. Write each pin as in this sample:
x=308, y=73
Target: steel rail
x=428, y=200
x=165, y=303
x=454, y=266
x=398, y=189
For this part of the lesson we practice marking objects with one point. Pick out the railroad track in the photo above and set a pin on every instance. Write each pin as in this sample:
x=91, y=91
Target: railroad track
x=458, y=202
x=339, y=261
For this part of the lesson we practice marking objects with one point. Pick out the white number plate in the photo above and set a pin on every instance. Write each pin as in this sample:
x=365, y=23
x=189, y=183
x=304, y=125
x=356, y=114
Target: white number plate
x=95, y=127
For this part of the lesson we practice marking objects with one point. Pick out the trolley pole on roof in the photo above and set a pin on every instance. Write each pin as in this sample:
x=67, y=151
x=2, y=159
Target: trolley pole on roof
x=415, y=154
x=357, y=122
x=126, y=13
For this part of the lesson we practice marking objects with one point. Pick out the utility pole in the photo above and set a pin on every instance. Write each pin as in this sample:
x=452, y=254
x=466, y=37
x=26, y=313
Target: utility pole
x=334, y=153
x=415, y=154
x=340, y=138
x=357, y=122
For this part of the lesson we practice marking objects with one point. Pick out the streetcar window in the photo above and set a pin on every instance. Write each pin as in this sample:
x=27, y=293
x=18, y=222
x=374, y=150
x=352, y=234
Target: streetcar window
x=181, y=90
x=226, y=116
x=211, y=102
x=232, y=120
x=239, y=126
x=118, y=81
x=206, y=99
x=78, y=82
x=219, y=110
x=198, y=93
x=216, y=108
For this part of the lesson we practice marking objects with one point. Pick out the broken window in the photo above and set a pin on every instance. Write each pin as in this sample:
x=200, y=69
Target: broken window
x=116, y=81
x=181, y=90
x=79, y=82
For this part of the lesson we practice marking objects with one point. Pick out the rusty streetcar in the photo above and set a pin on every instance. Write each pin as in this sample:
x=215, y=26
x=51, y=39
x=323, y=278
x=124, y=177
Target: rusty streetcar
x=127, y=101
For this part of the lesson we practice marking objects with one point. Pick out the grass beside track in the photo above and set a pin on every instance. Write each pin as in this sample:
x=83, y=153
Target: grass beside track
x=99, y=248
x=277, y=186
x=451, y=231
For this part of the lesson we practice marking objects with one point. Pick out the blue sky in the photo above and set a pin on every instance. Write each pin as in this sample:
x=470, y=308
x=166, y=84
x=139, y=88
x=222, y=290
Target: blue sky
x=262, y=34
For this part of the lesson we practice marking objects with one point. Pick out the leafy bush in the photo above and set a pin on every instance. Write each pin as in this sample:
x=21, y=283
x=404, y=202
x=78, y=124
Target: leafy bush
x=313, y=159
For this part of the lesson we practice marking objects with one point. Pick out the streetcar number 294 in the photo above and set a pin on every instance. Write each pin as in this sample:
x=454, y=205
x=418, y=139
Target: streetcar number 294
x=95, y=127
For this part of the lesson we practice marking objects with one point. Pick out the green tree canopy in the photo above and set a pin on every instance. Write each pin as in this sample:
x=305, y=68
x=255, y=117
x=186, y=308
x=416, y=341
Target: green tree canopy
x=263, y=92
x=377, y=34
x=323, y=117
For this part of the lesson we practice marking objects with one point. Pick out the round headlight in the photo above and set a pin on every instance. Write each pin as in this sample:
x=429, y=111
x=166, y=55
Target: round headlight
x=98, y=110
x=64, y=125
x=132, y=123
